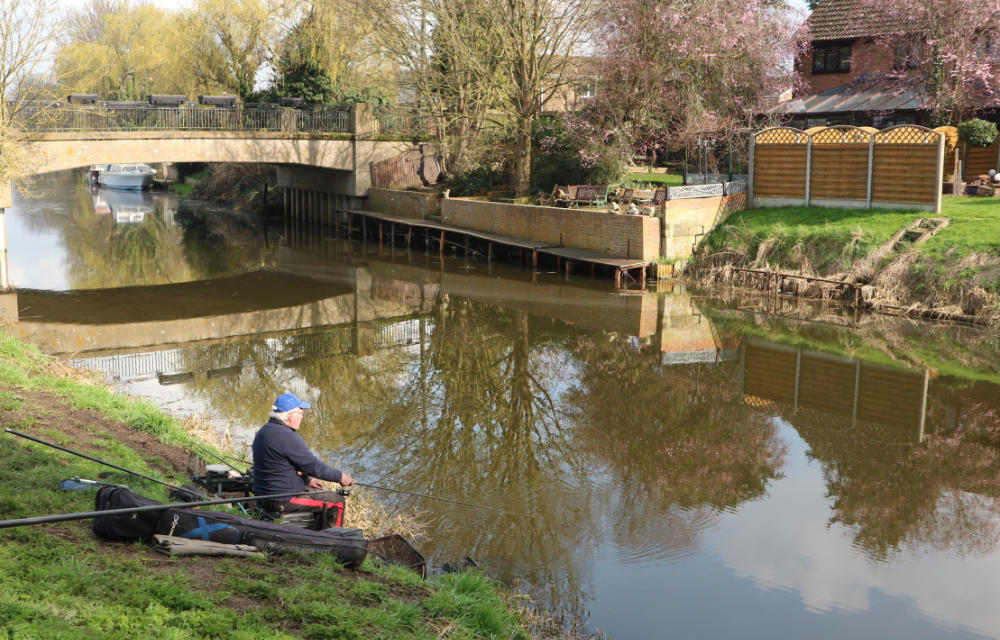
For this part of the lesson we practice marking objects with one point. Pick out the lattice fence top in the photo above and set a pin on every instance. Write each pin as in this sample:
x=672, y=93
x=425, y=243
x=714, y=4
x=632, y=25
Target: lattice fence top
x=842, y=134
x=908, y=134
x=846, y=134
x=781, y=135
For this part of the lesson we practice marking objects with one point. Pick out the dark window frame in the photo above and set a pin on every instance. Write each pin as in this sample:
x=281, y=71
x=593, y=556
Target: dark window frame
x=831, y=57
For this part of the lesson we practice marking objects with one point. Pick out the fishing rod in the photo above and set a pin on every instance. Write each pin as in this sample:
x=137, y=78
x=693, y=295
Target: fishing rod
x=84, y=515
x=424, y=495
x=104, y=462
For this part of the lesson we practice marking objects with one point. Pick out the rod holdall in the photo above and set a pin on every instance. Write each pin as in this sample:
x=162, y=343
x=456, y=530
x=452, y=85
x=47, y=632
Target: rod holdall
x=128, y=527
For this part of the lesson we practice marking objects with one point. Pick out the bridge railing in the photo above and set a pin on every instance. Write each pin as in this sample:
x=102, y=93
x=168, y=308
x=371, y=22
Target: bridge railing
x=61, y=119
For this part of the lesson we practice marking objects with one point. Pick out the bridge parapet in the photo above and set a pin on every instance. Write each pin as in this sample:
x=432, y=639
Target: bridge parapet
x=360, y=120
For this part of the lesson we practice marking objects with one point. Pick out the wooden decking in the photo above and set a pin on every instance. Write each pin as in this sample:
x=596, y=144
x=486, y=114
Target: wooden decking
x=624, y=268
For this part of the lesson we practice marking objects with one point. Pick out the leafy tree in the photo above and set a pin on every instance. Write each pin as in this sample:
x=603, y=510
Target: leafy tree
x=675, y=68
x=230, y=41
x=569, y=149
x=539, y=39
x=947, y=50
x=306, y=81
x=26, y=41
x=480, y=64
x=335, y=40
x=122, y=51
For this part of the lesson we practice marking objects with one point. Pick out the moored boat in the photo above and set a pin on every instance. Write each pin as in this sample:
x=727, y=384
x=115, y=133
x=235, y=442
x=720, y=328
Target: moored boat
x=127, y=176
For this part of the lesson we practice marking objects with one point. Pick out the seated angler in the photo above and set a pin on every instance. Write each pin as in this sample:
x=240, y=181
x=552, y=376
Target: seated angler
x=283, y=463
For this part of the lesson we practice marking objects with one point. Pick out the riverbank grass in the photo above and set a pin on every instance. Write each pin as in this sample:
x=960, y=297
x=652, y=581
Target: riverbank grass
x=828, y=242
x=60, y=581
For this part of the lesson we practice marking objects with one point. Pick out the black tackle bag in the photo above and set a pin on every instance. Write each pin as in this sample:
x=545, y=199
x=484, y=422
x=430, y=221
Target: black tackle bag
x=127, y=527
x=213, y=526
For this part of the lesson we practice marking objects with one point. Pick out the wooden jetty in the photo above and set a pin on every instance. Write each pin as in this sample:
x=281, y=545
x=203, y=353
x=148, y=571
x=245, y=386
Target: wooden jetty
x=392, y=227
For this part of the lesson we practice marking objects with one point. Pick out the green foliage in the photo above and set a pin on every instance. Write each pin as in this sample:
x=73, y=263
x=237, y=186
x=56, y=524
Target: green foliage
x=475, y=181
x=570, y=151
x=977, y=132
x=307, y=81
x=374, y=95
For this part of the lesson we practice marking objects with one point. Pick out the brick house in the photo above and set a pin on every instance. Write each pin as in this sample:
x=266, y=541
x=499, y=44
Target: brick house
x=847, y=73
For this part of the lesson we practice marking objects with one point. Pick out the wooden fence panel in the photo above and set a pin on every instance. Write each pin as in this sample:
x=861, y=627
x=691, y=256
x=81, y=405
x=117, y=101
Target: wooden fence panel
x=979, y=160
x=905, y=173
x=780, y=171
x=399, y=172
x=839, y=172
x=848, y=166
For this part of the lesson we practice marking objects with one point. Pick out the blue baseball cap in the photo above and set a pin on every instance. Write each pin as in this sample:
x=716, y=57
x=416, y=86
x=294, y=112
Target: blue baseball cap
x=287, y=402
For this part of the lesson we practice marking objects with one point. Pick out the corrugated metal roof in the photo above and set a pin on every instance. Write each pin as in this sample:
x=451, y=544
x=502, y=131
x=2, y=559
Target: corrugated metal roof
x=867, y=93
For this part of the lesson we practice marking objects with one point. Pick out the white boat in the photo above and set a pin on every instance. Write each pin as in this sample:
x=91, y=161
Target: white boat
x=128, y=206
x=127, y=176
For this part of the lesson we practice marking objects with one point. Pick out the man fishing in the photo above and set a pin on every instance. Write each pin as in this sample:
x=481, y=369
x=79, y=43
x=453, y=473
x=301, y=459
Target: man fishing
x=283, y=463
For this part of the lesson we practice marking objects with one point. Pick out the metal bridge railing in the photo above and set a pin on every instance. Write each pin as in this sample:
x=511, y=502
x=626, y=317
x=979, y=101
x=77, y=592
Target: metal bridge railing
x=61, y=119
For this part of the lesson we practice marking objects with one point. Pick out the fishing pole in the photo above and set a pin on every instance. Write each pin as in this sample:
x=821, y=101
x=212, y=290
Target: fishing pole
x=84, y=515
x=104, y=462
x=424, y=495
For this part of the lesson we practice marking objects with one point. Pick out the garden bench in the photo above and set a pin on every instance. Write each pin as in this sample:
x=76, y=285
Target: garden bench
x=590, y=195
x=567, y=198
x=643, y=196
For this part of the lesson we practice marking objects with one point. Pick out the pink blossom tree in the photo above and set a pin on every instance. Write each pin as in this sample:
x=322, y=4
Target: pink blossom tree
x=949, y=50
x=673, y=68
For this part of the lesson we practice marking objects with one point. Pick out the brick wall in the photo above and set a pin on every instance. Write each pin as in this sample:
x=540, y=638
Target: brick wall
x=866, y=57
x=406, y=204
x=615, y=235
x=687, y=221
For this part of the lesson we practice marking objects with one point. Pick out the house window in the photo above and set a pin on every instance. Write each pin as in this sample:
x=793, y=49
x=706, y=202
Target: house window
x=586, y=90
x=908, y=54
x=832, y=58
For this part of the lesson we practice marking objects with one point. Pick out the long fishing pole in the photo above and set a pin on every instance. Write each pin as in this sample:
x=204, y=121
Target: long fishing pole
x=84, y=515
x=424, y=495
x=88, y=457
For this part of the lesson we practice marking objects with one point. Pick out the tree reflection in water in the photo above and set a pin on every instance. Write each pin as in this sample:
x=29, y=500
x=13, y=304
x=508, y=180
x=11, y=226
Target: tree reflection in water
x=485, y=428
x=897, y=493
x=678, y=442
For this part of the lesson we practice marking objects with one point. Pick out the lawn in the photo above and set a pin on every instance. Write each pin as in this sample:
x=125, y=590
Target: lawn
x=656, y=179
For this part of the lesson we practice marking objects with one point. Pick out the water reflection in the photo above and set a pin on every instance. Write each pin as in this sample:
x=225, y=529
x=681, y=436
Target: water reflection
x=81, y=237
x=670, y=463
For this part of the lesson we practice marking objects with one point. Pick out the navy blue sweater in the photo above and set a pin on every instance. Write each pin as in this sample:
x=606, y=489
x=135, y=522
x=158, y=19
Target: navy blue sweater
x=279, y=452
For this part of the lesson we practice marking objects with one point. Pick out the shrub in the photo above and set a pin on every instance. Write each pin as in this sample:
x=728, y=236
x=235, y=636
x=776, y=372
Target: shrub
x=978, y=132
x=571, y=150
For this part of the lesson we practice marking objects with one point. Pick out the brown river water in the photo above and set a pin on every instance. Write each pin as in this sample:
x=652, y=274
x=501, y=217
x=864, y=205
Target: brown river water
x=671, y=463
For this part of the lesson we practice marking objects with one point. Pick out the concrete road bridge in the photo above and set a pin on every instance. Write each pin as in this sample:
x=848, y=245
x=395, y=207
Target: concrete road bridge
x=327, y=151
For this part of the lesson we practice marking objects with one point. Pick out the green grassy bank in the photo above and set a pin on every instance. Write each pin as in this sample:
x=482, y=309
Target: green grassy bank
x=61, y=581
x=959, y=267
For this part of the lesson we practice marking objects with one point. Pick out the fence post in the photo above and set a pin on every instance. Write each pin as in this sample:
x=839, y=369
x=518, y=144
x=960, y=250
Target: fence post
x=753, y=147
x=871, y=169
x=809, y=157
x=940, y=172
